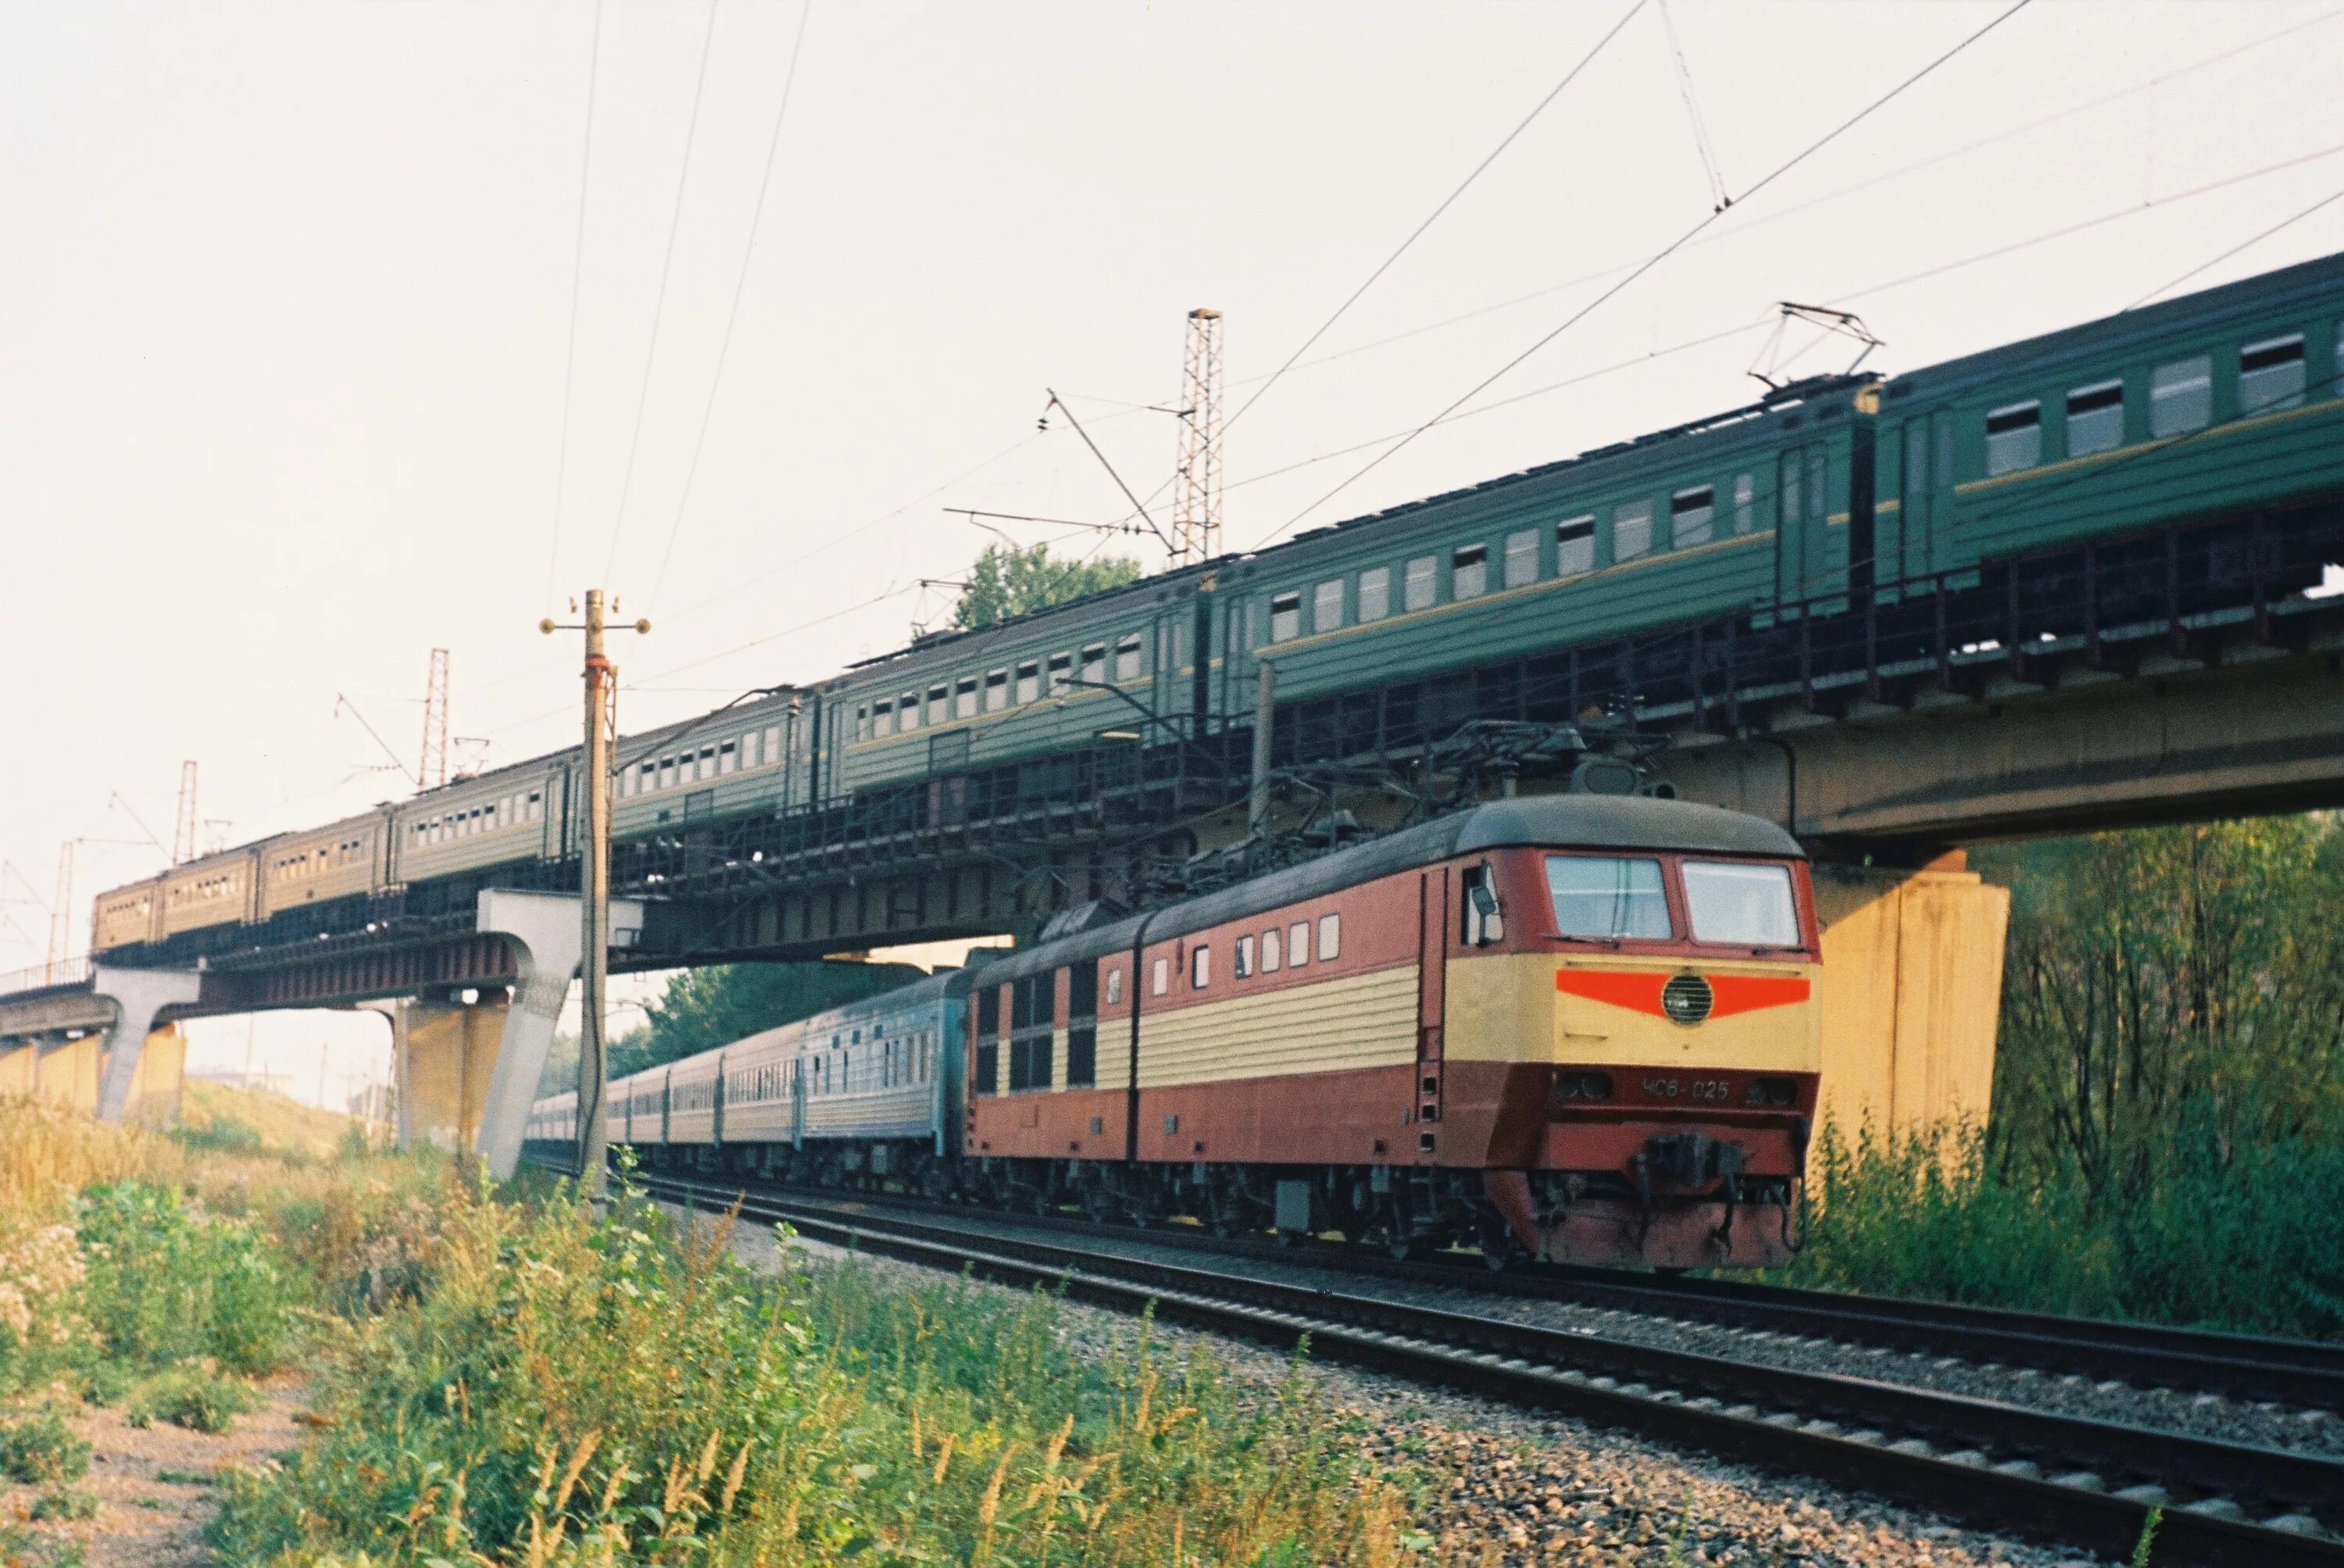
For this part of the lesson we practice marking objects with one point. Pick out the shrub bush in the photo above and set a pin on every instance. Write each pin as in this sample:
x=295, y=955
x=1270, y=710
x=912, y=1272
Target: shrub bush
x=168, y=1282
x=195, y=1396
x=38, y=1449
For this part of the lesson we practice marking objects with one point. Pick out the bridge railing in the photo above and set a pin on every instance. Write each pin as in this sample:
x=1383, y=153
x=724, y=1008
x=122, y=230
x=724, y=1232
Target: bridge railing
x=39, y=976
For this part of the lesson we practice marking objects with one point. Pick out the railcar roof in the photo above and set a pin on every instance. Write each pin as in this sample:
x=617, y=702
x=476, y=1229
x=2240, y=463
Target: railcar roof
x=2209, y=308
x=1560, y=821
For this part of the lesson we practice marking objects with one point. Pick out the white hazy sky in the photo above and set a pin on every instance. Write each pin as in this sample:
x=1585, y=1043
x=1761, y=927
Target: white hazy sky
x=285, y=295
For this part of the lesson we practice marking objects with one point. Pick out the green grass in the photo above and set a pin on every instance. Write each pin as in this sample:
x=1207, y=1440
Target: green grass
x=569, y=1390
x=2237, y=1237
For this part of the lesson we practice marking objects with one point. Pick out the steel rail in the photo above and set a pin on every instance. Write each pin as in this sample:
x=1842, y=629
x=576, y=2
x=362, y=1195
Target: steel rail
x=2294, y=1372
x=2077, y=1481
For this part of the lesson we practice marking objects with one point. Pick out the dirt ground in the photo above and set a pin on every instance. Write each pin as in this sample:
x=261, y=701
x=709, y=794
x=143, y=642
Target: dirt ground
x=154, y=1487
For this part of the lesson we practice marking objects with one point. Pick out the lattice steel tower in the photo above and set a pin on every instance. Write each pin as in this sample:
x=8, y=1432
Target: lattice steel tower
x=183, y=825
x=1197, y=518
x=433, y=770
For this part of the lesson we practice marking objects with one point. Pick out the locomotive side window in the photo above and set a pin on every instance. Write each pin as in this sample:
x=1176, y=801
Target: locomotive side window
x=988, y=1041
x=1115, y=986
x=1298, y=944
x=1330, y=938
x=1482, y=922
x=1269, y=954
x=1244, y=968
x=1200, y=967
x=1159, y=978
x=1082, y=1024
x=1607, y=896
x=1745, y=503
x=1748, y=906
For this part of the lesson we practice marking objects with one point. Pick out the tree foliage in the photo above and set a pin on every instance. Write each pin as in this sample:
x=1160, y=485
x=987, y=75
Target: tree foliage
x=1004, y=583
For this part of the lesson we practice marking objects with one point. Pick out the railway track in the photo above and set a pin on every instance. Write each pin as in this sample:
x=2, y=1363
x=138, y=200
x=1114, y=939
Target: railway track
x=2074, y=1481
x=2298, y=1373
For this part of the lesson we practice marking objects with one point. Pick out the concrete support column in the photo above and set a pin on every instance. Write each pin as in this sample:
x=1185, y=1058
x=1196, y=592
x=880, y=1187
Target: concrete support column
x=1911, y=994
x=544, y=931
x=138, y=996
x=442, y=1055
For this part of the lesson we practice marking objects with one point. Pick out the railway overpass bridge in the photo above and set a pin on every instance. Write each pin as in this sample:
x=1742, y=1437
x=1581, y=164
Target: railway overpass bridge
x=2192, y=671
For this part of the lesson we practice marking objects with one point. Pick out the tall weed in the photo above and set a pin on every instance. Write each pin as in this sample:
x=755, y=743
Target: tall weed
x=620, y=1391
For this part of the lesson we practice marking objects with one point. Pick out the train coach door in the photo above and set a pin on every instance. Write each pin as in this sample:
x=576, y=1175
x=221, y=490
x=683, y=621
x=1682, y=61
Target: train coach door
x=1432, y=1003
x=797, y=1103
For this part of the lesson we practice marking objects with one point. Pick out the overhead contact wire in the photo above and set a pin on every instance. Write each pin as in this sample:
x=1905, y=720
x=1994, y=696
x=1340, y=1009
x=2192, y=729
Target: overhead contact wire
x=577, y=275
x=1651, y=262
x=1434, y=217
x=658, y=302
x=733, y=312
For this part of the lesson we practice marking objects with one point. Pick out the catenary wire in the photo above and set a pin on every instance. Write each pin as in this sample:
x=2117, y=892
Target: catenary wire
x=659, y=298
x=1445, y=203
x=732, y=311
x=2243, y=244
x=577, y=276
x=1653, y=260
x=1744, y=223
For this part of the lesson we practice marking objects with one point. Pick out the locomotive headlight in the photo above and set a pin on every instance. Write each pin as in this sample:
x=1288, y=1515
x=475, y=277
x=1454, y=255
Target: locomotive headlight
x=1583, y=1086
x=1687, y=999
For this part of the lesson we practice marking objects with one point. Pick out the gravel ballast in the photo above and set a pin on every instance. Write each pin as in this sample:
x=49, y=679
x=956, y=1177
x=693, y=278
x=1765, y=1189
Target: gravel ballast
x=1524, y=1489
x=2306, y=1430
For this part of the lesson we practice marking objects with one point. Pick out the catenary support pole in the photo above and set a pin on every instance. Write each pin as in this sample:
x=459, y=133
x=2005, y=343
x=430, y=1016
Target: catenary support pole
x=1265, y=708
x=594, y=889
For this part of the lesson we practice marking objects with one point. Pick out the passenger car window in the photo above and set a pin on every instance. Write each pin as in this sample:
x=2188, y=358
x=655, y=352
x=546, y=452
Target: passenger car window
x=1285, y=617
x=1574, y=545
x=1126, y=658
x=2270, y=374
x=1745, y=503
x=2095, y=419
x=1375, y=593
x=1521, y=557
x=2014, y=437
x=1748, y=906
x=1326, y=605
x=1603, y=896
x=1417, y=588
x=1029, y=681
x=1469, y=572
x=1692, y=517
x=1632, y=530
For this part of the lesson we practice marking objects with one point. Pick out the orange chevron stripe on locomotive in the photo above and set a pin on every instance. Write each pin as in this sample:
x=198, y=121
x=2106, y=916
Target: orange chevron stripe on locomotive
x=1639, y=990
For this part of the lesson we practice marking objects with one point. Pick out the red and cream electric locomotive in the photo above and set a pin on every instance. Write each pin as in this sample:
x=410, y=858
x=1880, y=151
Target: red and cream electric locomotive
x=1578, y=1026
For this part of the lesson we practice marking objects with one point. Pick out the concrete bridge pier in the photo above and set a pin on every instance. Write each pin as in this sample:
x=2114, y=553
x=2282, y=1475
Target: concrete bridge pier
x=443, y=1054
x=139, y=997
x=1911, y=994
x=543, y=929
